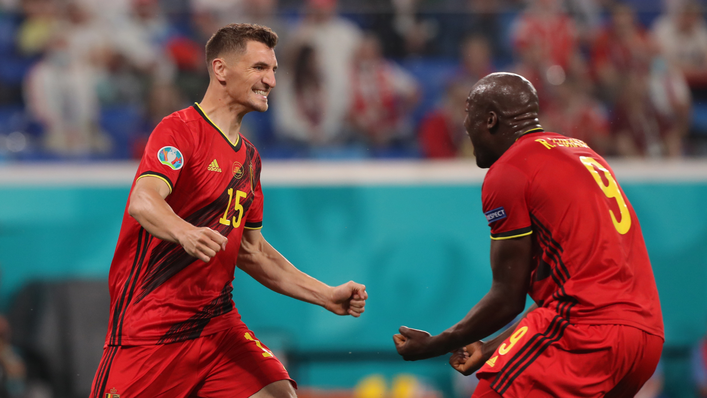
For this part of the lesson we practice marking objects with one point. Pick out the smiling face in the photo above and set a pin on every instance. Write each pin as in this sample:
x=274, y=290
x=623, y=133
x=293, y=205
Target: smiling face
x=249, y=76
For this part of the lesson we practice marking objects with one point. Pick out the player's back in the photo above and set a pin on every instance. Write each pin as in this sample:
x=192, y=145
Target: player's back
x=590, y=260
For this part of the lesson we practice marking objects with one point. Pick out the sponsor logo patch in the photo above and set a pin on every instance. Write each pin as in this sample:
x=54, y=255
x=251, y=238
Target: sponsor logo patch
x=496, y=214
x=171, y=157
x=214, y=166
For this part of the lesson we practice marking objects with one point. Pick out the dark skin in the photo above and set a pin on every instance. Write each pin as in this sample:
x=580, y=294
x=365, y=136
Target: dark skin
x=500, y=108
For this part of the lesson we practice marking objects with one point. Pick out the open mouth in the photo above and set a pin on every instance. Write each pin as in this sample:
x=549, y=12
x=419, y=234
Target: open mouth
x=262, y=93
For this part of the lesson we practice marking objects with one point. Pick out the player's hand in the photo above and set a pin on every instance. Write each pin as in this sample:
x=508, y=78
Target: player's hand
x=414, y=344
x=469, y=359
x=202, y=243
x=349, y=298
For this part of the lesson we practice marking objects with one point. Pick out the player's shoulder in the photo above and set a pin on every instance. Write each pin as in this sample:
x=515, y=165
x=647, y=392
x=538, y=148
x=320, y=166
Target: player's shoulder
x=179, y=120
x=250, y=147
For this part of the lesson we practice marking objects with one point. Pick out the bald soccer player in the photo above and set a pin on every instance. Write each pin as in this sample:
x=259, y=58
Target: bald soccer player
x=563, y=232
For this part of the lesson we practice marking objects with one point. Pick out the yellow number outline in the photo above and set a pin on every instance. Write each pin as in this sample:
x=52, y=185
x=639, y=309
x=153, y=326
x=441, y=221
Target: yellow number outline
x=611, y=191
x=238, y=207
x=517, y=335
x=266, y=353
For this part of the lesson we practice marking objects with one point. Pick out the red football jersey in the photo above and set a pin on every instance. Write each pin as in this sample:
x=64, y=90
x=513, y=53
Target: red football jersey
x=590, y=261
x=159, y=293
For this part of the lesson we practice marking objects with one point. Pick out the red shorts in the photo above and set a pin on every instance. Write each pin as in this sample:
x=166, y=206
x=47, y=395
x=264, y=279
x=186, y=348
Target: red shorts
x=231, y=363
x=547, y=356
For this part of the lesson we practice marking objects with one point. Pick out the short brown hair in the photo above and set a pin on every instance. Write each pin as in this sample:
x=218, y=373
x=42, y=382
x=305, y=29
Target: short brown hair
x=235, y=37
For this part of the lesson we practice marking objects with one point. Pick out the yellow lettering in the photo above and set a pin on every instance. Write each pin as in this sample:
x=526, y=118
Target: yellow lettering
x=238, y=207
x=611, y=190
x=547, y=144
x=224, y=220
x=517, y=335
x=266, y=353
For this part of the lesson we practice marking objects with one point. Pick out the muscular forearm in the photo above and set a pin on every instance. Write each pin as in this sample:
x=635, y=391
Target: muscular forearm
x=489, y=315
x=272, y=270
x=490, y=346
x=149, y=209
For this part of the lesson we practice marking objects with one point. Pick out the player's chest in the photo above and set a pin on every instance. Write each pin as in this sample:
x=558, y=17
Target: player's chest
x=215, y=173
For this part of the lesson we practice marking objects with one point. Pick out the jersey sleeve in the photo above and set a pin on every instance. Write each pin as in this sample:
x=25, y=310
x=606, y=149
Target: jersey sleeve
x=505, y=202
x=254, y=219
x=168, y=149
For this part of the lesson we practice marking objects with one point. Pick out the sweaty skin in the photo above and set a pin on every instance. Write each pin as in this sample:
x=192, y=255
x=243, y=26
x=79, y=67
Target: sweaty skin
x=500, y=108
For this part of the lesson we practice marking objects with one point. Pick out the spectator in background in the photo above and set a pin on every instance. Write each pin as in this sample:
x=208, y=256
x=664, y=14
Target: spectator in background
x=163, y=99
x=143, y=40
x=384, y=95
x=188, y=56
x=60, y=94
x=682, y=38
x=442, y=134
x=699, y=367
x=621, y=48
x=40, y=23
x=639, y=129
x=334, y=41
x=264, y=12
x=302, y=113
x=574, y=112
x=545, y=27
x=475, y=60
x=481, y=21
x=586, y=15
x=545, y=43
x=224, y=11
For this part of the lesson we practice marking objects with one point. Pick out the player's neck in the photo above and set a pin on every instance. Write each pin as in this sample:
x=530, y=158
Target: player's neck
x=227, y=116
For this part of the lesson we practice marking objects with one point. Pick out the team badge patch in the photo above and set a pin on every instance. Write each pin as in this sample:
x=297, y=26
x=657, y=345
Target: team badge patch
x=238, y=170
x=496, y=214
x=171, y=157
x=113, y=393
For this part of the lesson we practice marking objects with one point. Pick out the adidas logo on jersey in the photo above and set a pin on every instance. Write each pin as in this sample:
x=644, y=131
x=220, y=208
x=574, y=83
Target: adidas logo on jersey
x=492, y=362
x=214, y=166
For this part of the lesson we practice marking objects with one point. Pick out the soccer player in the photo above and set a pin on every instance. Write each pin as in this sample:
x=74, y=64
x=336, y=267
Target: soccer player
x=563, y=232
x=194, y=213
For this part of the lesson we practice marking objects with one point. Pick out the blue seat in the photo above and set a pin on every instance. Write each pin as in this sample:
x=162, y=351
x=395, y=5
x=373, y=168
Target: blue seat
x=699, y=118
x=121, y=123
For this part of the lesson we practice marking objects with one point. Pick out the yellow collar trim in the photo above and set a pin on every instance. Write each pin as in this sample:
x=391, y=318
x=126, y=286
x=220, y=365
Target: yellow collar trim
x=217, y=127
x=535, y=130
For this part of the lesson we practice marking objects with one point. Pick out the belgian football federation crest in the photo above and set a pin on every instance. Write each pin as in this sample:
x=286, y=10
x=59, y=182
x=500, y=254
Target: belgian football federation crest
x=238, y=170
x=171, y=157
x=113, y=393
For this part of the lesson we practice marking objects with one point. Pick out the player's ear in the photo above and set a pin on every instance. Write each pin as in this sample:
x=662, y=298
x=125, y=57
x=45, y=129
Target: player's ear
x=491, y=120
x=218, y=69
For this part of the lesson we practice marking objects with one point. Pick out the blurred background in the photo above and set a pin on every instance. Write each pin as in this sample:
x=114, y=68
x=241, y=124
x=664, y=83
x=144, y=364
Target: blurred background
x=368, y=174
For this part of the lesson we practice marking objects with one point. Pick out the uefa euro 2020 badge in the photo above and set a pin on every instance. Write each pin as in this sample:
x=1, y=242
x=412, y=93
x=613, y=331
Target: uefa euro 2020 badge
x=113, y=393
x=171, y=157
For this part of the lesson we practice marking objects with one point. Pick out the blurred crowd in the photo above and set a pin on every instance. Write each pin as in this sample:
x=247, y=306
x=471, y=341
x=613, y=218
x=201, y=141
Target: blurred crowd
x=90, y=79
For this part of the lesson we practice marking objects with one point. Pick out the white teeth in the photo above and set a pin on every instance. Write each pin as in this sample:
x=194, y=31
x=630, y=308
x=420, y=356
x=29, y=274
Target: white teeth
x=261, y=92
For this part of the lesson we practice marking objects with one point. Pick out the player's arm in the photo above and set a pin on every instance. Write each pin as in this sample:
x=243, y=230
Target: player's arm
x=266, y=265
x=149, y=208
x=511, y=268
x=470, y=358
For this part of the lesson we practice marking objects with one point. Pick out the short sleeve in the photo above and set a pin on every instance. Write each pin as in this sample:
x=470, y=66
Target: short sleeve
x=254, y=219
x=168, y=149
x=504, y=202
